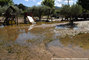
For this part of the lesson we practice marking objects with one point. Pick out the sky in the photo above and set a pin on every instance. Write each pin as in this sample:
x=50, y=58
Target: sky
x=31, y=3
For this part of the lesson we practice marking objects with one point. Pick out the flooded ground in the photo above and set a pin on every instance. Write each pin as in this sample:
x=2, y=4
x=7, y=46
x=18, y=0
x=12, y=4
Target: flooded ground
x=43, y=42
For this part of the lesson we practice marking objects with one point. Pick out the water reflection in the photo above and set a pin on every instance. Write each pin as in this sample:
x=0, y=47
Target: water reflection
x=1, y=26
x=24, y=37
x=61, y=27
x=31, y=26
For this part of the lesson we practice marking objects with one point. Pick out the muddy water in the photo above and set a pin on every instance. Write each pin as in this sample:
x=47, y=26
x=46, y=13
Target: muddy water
x=46, y=40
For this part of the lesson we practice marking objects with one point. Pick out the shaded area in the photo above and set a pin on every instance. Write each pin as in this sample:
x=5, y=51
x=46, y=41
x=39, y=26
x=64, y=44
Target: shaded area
x=66, y=26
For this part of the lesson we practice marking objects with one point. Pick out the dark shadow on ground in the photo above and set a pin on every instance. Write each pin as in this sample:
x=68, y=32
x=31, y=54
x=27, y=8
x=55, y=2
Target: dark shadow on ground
x=68, y=25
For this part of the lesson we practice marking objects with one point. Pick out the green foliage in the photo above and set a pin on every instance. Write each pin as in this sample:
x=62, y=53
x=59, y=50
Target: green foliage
x=40, y=11
x=3, y=9
x=33, y=10
x=56, y=13
x=71, y=11
x=84, y=4
x=21, y=6
x=21, y=9
x=18, y=11
x=76, y=10
x=6, y=2
x=47, y=10
x=49, y=3
x=65, y=10
x=36, y=11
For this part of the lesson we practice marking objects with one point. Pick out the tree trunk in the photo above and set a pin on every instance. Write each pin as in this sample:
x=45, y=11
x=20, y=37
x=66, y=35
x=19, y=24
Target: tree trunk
x=48, y=17
x=71, y=22
x=40, y=18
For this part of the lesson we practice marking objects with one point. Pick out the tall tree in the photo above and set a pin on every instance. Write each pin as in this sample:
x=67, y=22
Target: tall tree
x=6, y=2
x=76, y=10
x=66, y=11
x=71, y=12
x=37, y=11
x=49, y=3
x=84, y=4
x=21, y=6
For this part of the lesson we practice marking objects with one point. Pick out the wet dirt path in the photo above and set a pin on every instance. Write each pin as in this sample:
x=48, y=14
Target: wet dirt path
x=43, y=42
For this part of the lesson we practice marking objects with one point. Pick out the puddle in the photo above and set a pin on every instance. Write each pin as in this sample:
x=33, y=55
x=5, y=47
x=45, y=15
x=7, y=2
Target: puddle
x=66, y=27
x=21, y=35
x=23, y=38
x=1, y=26
x=76, y=28
x=61, y=27
x=55, y=43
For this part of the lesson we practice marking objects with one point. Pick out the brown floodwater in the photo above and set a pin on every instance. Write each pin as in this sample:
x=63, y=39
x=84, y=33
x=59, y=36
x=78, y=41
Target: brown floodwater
x=30, y=36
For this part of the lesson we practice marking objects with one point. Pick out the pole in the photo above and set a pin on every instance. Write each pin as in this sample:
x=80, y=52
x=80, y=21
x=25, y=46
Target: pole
x=68, y=3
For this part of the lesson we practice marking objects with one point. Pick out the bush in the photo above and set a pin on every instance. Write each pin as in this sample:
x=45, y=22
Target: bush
x=3, y=9
x=71, y=11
